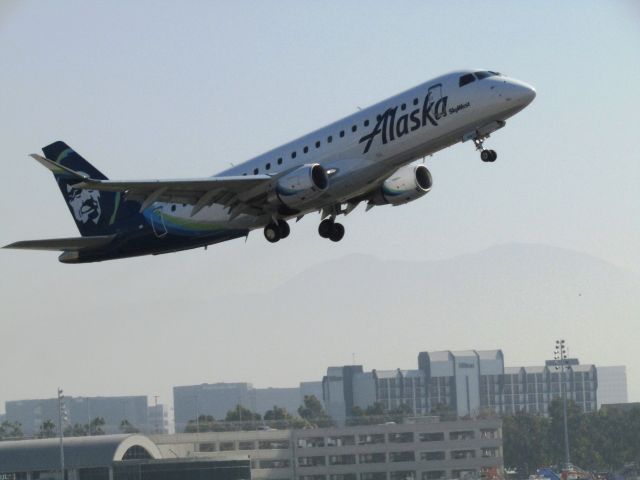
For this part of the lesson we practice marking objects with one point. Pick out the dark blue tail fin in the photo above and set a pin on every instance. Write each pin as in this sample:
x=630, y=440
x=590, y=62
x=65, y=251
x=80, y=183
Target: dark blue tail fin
x=95, y=212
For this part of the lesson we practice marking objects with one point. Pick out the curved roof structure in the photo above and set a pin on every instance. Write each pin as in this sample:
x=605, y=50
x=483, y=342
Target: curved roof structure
x=95, y=451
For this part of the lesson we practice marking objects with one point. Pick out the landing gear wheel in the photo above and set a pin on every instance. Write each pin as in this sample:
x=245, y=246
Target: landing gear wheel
x=488, y=155
x=494, y=155
x=284, y=229
x=337, y=232
x=272, y=232
x=325, y=227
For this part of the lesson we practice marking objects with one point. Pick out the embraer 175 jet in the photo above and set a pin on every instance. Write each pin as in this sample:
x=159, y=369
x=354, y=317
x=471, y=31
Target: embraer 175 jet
x=365, y=157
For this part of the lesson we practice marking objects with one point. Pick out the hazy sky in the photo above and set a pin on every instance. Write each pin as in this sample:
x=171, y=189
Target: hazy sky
x=183, y=89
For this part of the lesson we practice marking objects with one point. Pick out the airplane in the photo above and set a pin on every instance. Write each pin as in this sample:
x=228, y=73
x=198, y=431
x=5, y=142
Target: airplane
x=370, y=156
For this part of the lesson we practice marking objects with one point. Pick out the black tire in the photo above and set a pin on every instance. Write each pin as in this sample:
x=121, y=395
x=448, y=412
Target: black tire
x=284, y=229
x=337, y=232
x=494, y=155
x=272, y=233
x=485, y=155
x=325, y=227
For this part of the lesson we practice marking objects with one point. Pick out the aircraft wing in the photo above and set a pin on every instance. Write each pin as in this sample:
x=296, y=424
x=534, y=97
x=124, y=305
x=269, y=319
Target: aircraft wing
x=73, y=244
x=241, y=194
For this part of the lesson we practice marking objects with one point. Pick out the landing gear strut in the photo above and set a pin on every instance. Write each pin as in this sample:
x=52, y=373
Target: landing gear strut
x=485, y=155
x=330, y=229
x=275, y=231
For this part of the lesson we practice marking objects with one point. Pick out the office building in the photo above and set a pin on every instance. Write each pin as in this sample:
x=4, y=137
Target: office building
x=421, y=449
x=612, y=385
x=158, y=419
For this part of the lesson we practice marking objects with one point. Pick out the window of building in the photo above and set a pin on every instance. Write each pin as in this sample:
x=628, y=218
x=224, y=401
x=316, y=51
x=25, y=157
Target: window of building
x=251, y=445
x=311, y=442
x=434, y=475
x=462, y=435
x=373, y=476
x=340, y=441
x=488, y=452
x=96, y=473
x=408, y=456
x=432, y=456
x=318, y=144
x=279, y=463
x=488, y=433
x=432, y=437
x=372, y=458
x=273, y=444
x=343, y=476
x=207, y=447
x=136, y=452
x=312, y=477
x=466, y=79
x=312, y=461
x=462, y=454
x=401, y=437
x=227, y=446
x=342, y=459
x=403, y=475
x=371, y=439
x=467, y=474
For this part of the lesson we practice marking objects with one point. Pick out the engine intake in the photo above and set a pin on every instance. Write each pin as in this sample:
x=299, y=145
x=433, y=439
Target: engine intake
x=408, y=183
x=302, y=185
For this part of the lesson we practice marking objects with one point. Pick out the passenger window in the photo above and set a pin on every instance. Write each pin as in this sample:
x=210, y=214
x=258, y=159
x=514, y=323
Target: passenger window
x=341, y=133
x=305, y=149
x=293, y=154
x=268, y=166
x=244, y=174
x=329, y=139
x=354, y=128
x=173, y=208
x=403, y=106
x=366, y=123
x=466, y=79
x=255, y=171
x=415, y=101
x=280, y=161
x=317, y=144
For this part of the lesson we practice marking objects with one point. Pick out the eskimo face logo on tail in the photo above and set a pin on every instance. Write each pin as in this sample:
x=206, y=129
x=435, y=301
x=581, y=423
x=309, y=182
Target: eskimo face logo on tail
x=389, y=126
x=85, y=204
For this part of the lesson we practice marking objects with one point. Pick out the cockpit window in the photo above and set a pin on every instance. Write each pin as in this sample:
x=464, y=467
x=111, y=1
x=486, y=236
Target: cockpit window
x=482, y=75
x=466, y=79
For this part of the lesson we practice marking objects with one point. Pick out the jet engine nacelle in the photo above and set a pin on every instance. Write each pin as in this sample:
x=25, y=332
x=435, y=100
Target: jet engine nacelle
x=303, y=184
x=406, y=184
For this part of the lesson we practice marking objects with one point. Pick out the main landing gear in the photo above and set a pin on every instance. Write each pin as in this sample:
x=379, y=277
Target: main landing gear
x=275, y=231
x=330, y=229
x=485, y=155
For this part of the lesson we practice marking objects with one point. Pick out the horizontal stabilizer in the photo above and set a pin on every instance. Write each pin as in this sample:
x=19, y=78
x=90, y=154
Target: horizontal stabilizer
x=72, y=244
x=58, y=169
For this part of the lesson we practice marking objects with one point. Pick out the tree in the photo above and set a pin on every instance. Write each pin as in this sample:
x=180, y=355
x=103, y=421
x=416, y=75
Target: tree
x=47, y=429
x=10, y=430
x=525, y=442
x=242, y=414
x=95, y=428
x=313, y=412
x=444, y=411
x=126, y=427
x=76, y=430
x=277, y=413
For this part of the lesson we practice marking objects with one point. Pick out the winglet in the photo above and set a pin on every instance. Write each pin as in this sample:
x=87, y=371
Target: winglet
x=59, y=169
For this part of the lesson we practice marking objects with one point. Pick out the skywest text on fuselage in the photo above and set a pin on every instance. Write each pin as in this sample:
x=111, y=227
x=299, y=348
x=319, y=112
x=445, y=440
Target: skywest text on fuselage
x=390, y=128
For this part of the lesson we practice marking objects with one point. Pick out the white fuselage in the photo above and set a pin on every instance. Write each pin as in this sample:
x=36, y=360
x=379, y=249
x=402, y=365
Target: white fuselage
x=360, y=151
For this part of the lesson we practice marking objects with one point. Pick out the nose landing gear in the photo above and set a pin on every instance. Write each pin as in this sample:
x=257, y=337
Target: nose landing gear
x=485, y=155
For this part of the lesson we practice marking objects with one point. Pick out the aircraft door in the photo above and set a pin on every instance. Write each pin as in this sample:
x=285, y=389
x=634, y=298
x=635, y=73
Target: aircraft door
x=157, y=223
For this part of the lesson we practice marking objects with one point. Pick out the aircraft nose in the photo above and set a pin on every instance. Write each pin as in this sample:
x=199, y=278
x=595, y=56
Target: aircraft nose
x=523, y=93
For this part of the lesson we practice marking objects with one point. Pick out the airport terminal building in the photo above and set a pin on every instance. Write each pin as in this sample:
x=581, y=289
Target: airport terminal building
x=110, y=457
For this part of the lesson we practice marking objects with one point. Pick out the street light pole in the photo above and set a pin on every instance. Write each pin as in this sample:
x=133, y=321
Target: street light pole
x=61, y=432
x=560, y=356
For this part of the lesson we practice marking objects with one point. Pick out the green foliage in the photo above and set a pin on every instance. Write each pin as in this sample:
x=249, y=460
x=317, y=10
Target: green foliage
x=603, y=440
x=126, y=427
x=10, y=430
x=241, y=414
x=47, y=429
x=313, y=412
x=376, y=414
x=96, y=426
x=445, y=412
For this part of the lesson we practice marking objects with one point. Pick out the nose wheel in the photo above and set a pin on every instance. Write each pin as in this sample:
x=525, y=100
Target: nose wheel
x=331, y=229
x=485, y=155
x=276, y=231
